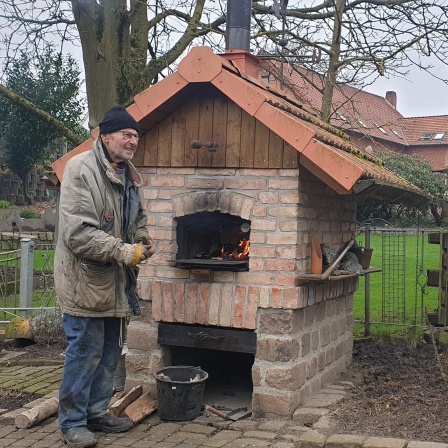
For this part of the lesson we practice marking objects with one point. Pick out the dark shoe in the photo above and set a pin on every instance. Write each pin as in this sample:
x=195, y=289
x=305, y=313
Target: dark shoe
x=109, y=423
x=79, y=437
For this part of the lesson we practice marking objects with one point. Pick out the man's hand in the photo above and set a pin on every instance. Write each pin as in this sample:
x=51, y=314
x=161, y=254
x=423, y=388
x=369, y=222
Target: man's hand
x=148, y=247
x=148, y=251
x=142, y=252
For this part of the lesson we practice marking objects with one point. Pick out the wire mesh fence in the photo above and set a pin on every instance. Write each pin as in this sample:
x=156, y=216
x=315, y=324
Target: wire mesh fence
x=26, y=280
x=398, y=295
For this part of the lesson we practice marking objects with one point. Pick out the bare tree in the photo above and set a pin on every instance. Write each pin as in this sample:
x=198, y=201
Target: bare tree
x=127, y=48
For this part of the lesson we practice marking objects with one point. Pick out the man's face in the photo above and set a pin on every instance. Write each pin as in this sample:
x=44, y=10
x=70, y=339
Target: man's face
x=121, y=145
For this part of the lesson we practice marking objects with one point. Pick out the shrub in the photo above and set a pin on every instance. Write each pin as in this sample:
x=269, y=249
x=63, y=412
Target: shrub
x=5, y=204
x=28, y=214
x=47, y=327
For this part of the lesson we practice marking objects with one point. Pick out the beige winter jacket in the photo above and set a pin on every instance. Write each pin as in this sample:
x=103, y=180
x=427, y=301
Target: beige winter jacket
x=90, y=256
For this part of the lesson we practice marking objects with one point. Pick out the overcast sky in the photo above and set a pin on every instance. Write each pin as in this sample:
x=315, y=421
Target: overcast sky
x=419, y=95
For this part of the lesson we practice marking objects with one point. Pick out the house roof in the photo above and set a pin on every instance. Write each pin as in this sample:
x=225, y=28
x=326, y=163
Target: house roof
x=424, y=131
x=359, y=111
x=323, y=150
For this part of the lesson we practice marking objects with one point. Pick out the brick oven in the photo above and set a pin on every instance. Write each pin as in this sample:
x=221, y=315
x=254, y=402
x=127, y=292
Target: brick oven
x=238, y=177
x=300, y=335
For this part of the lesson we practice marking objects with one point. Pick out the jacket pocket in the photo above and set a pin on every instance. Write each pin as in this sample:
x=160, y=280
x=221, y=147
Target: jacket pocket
x=96, y=286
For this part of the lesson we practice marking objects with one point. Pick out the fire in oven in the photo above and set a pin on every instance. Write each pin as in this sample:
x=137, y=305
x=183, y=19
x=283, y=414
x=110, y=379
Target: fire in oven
x=213, y=240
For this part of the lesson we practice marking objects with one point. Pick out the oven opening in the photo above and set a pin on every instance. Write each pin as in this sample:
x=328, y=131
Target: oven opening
x=229, y=385
x=213, y=240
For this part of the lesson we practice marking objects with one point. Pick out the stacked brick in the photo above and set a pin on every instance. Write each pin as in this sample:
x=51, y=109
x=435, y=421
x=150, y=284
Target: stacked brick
x=11, y=189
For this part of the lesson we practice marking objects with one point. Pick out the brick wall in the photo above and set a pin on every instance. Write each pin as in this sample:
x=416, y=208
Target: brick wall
x=10, y=187
x=11, y=241
x=313, y=340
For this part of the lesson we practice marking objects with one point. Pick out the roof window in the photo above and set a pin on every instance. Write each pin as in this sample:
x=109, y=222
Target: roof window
x=361, y=123
x=342, y=117
x=426, y=136
x=396, y=133
x=439, y=136
x=381, y=129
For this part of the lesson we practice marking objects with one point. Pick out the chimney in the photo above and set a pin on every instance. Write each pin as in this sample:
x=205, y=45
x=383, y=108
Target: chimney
x=238, y=37
x=391, y=98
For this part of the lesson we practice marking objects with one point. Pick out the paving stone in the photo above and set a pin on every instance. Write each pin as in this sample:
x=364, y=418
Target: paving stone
x=344, y=441
x=260, y=434
x=323, y=400
x=182, y=436
x=324, y=422
x=308, y=415
x=384, y=442
x=312, y=439
x=244, y=425
x=272, y=425
x=200, y=429
x=334, y=391
x=283, y=445
x=413, y=444
x=243, y=442
x=222, y=438
x=335, y=387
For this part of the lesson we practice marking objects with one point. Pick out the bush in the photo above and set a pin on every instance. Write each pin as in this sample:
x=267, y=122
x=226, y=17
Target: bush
x=5, y=204
x=47, y=327
x=29, y=214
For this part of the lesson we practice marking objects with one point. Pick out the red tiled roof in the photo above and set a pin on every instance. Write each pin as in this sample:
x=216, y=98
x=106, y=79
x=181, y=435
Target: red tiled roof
x=349, y=102
x=323, y=150
x=416, y=127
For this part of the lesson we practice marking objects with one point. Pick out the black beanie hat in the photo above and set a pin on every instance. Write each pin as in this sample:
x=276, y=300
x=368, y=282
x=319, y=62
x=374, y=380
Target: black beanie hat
x=117, y=118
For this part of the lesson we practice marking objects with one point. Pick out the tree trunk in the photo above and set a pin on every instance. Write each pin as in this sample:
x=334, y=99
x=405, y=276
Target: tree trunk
x=333, y=65
x=105, y=34
x=29, y=199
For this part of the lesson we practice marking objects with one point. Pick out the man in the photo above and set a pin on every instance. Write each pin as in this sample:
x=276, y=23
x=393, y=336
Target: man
x=102, y=237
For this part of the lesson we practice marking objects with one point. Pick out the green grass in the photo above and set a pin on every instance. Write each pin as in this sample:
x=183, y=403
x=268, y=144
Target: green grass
x=43, y=260
x=415, y=301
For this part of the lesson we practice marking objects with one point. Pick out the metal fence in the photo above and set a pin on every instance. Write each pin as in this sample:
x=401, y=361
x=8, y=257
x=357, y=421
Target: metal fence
x=26, y=279
x=400, y=294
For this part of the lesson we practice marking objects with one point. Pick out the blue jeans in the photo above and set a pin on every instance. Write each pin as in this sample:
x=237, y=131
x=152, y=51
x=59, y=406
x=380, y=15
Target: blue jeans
x=91, y=359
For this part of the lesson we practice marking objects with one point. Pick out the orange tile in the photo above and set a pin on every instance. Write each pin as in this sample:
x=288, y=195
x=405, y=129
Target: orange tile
x=329, y=165
x=153, y=97
x=200, y=65
x=59, y=165
x=288, y=127
x=242, y=93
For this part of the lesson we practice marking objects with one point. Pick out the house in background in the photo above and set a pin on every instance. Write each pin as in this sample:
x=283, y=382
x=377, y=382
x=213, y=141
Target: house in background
x=372, y=122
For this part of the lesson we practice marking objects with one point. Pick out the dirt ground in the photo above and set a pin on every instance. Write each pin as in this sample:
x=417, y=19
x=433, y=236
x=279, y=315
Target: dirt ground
x=400, y=390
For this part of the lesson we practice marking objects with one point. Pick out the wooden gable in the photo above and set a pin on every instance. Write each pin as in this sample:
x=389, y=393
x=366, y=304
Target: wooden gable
x=209, y=116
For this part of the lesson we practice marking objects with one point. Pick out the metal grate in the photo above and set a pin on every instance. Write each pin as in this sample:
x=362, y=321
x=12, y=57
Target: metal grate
x=394, y=276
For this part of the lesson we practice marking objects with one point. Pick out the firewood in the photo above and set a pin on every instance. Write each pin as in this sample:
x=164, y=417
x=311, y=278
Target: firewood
x=121, y=404
x=36, y=414
x=140, y=408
